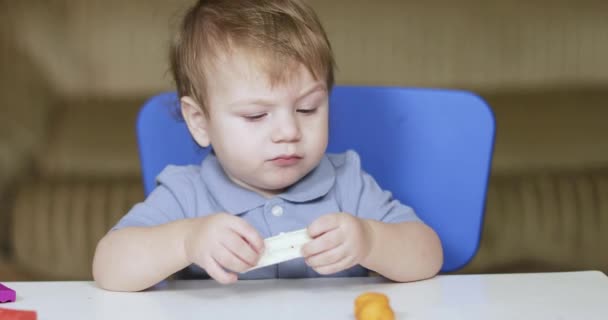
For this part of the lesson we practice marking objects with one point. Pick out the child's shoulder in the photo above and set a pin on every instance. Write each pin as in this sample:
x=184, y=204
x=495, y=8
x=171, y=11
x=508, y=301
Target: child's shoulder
x=176, y=174
x=345, y=160
x=347, y=165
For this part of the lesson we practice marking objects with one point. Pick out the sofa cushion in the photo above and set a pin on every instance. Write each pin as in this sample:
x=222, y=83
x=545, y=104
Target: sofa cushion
x=58, y=222
x=477, y=44
x=545, y=221
x=557, y=129
x=92, y=138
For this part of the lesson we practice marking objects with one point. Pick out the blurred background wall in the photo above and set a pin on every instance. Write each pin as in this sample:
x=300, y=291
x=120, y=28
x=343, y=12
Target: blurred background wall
x=73, y=74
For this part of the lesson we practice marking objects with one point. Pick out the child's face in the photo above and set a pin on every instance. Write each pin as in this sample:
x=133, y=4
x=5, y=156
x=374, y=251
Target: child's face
x=266, y=137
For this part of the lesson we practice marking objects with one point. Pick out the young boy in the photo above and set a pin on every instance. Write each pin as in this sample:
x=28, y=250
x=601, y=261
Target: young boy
x=253, y=78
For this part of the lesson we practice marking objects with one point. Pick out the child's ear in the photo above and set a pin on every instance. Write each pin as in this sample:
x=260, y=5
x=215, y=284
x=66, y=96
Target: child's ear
x=196, y=120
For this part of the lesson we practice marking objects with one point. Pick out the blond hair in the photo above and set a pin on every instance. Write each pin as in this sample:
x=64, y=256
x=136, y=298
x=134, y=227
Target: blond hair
x=279, y=31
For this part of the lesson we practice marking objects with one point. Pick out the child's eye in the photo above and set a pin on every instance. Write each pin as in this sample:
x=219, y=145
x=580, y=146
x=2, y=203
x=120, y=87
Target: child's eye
x=254, y=117
x=307, y=111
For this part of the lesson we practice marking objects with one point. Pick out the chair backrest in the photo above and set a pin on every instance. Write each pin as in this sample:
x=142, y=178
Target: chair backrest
x=431, y=148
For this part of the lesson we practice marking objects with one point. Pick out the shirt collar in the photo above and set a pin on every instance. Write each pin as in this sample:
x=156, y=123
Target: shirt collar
x=236, y=199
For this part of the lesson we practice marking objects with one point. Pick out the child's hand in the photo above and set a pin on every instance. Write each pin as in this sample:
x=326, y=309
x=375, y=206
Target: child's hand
x=340, y=241
x=223, y=244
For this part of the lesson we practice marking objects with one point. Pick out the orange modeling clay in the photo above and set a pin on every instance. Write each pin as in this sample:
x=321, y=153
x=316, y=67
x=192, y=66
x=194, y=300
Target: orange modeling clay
x=373, y=306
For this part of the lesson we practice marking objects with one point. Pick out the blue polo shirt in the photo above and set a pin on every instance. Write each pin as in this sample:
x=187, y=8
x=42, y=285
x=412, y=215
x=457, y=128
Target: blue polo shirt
x=337, y=184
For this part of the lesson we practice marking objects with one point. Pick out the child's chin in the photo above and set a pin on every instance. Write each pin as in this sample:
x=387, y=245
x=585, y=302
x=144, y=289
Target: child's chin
x=280, y=184
x=278, y=187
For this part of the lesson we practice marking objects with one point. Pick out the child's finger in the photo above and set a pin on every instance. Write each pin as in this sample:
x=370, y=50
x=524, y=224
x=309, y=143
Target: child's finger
x=242, y=249
x=343, y=264
x=227, y=259
x=326, y=258
x=323, y=224
x=325, y=242
x=248, y=233
x=215, y=271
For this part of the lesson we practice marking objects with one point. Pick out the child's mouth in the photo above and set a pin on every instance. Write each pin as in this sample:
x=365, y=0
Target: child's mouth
x=284, y=161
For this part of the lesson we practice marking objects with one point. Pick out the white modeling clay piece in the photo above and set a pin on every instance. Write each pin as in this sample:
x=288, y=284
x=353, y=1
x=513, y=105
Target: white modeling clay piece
x=283, y=247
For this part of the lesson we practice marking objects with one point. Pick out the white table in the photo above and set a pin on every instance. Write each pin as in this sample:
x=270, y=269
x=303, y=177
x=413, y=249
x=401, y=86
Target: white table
x=569, y=295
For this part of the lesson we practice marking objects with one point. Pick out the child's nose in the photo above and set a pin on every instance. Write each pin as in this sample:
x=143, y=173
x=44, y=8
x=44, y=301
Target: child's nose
x=287, y=129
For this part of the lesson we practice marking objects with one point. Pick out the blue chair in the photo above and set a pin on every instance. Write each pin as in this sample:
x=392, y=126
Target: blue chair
x=432, y=148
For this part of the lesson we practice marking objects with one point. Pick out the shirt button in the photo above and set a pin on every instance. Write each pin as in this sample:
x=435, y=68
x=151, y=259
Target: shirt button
x=277, y=211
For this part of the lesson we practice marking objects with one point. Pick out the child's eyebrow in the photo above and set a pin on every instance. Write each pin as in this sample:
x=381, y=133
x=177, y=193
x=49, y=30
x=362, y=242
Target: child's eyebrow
x=255, y=101
x=315, y=88
x=270, y=103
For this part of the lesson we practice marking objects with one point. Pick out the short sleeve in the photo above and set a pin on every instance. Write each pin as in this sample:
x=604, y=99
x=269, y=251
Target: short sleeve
x=361, y=195
x=169, y=201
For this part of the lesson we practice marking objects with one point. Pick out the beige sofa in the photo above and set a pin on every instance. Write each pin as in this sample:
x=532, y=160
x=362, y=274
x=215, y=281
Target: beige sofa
x=74, y=74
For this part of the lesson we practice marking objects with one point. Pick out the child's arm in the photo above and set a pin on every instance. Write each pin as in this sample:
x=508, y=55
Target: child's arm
x=406, y=251
x=136, y=258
